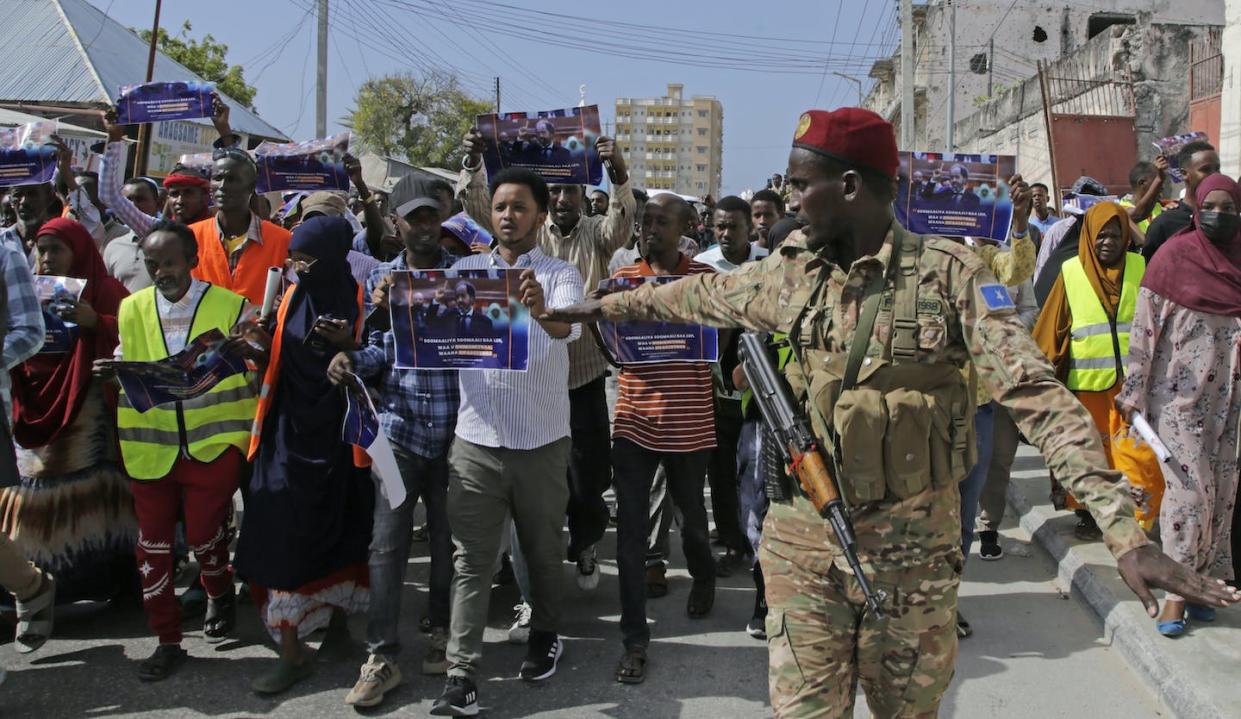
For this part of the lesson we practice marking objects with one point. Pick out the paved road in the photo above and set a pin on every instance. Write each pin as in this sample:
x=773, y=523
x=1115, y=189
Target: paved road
x=1035, y=653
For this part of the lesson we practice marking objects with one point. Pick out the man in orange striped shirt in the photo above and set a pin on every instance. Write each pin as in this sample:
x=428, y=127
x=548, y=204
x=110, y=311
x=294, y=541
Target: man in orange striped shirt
x=664, y=415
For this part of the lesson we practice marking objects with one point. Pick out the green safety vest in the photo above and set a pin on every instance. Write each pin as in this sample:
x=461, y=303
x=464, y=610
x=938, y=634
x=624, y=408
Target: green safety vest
x=783, y=354
x=1099, y=347
x=201, y=428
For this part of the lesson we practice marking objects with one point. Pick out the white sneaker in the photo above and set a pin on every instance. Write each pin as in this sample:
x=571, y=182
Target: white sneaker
x=519, y=633
x=588, y=570
x=378, y=677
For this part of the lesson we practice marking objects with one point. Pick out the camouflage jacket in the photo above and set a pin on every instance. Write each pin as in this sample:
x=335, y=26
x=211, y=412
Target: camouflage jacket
x=770, y=296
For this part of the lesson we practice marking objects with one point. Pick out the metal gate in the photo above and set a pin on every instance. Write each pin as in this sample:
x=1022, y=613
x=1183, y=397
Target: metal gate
x=1206, y=82
x=1088, y=111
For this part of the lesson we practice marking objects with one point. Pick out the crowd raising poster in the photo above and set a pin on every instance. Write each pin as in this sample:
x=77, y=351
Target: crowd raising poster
x=557, y=144
x=645, y=342
x=163, y=101
x=25, y=156
x=190, y=373
x=462, y=319
x=311, y=165
x=955, y=195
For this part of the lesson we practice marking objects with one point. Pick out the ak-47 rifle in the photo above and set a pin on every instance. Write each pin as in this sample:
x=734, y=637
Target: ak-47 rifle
x=802, y=453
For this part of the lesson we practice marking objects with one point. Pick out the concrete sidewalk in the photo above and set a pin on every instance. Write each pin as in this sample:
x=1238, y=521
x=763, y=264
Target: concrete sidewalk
x=1196, y=675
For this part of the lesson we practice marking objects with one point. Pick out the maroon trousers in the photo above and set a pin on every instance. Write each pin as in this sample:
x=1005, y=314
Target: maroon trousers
x=202, y=494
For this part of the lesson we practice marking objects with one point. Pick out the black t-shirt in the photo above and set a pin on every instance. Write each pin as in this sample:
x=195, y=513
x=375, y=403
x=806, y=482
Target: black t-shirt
x=1164, y=227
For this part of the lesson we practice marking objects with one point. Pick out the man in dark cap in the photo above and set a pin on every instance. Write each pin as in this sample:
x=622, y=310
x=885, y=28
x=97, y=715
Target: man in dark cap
x=881, y=322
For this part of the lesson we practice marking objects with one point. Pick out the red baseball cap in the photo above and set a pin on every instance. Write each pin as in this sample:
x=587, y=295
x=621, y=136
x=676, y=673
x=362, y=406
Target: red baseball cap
x=850, y=135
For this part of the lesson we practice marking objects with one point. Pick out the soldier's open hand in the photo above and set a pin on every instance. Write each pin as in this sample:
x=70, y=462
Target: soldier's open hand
x=1147, y=567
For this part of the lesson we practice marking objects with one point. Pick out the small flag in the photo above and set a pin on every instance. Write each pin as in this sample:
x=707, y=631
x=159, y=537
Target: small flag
x=361, y=428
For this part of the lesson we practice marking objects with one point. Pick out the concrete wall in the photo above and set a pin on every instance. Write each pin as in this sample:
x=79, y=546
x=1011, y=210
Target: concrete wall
x=1230, y=99
x=1012, y=27
x=1157, y=59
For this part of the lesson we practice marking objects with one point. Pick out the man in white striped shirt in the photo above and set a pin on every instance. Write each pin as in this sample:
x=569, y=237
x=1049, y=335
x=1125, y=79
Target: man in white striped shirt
x=511, y=450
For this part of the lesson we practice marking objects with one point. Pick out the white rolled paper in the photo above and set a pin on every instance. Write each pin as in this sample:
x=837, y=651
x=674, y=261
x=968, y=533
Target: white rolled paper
x=1147, y=433
x=274, y=279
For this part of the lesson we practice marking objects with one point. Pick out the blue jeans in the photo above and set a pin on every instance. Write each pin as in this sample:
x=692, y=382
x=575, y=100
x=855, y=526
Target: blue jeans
x=971, y=486
x=389, y=551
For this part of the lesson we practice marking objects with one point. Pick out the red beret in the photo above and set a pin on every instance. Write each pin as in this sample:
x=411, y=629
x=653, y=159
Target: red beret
x=851, y=135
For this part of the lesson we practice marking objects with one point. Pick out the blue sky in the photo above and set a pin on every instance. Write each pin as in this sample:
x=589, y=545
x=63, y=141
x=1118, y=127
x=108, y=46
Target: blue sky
x=703, y=44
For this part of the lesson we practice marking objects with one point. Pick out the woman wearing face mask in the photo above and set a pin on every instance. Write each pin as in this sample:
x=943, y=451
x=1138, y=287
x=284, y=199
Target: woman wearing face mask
x=1085, y=329
x=72, y=513
x=1185, y=378
x=306, y=530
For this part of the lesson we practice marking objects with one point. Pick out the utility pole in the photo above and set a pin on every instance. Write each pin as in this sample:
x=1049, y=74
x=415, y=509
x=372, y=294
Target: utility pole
x=907, y=75
x=952, y=73
x=321, y=75
x=144, y=130
x=497, y=96
x=990, y=62
x=855, y=81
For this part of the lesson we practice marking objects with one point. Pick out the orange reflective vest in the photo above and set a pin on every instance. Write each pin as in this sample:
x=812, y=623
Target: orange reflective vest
x=249, y=278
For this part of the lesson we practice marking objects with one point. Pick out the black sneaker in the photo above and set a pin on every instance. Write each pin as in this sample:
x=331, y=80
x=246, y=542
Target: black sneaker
x=460, y=699
x=542, y=654
x=757, y=627
x=989, y=548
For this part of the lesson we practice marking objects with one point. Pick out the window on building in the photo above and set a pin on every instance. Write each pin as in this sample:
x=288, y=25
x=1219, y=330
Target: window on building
x=702, y=150
x=702, y=132
x=701, y=168
x=1101, y=21
x=702, y=113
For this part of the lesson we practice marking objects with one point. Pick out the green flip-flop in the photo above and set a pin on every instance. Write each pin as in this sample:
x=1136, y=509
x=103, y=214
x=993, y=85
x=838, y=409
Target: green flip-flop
x=282, y=676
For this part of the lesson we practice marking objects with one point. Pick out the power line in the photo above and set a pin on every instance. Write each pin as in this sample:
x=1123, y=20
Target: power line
x=835, y=26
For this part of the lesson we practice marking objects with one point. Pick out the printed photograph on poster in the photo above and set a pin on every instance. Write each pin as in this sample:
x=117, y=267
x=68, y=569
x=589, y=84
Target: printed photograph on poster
x=190, y=373
x=1170, y=148
x=1076, y=204
x=310, y=166
x=361, y=428
x=557, y=144
x=955, y=195
x=645, y=342
x=163, y=101
x=56, y=294
x=25, y=156
x=199, y=161
x=459, y=319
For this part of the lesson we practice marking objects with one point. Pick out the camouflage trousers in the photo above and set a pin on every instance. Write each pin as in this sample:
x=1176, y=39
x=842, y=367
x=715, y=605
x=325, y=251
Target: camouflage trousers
x=820, y=643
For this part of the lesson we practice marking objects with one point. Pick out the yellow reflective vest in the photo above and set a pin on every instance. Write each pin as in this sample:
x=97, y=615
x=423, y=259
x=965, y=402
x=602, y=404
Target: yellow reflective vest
x=1099, y=346
x=201, y=428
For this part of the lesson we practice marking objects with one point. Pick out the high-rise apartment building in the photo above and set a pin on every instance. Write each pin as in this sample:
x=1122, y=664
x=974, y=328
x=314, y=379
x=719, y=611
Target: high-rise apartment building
x=672, y=143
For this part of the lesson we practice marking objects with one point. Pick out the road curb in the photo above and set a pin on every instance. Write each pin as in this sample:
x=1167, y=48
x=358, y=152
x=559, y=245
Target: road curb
x=1123, y=618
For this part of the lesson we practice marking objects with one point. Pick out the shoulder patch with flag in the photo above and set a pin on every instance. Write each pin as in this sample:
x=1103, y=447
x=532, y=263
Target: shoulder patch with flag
x=995, y=296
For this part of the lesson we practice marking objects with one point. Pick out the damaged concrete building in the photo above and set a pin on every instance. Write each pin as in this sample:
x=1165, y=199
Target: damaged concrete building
x=1118, y=70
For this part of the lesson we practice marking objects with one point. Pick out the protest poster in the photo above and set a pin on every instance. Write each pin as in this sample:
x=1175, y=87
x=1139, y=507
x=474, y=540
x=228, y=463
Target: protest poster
x=361, y=428
x=25, y=156
x=54, y=293
x=149, y=102
x=465, y=233
x=955, y=195
x=645, y=342
x=459, y=319
x=190, y=373
x=1170, y=148
x=198, y=161
x=311, y=165
x=559, y=145
x=1076, y=204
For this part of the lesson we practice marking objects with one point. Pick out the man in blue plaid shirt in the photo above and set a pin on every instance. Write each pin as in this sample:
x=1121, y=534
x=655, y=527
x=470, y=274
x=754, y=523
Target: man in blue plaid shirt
x=418, y=413
x=22, y=316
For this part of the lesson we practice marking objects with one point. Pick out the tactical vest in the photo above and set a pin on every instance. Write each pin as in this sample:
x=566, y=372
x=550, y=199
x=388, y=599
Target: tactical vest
x=201, y=428
x=907, y=425
x=1099, y=345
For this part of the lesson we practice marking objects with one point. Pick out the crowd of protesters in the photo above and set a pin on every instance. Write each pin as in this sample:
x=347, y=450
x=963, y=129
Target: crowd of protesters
x=1134, y=301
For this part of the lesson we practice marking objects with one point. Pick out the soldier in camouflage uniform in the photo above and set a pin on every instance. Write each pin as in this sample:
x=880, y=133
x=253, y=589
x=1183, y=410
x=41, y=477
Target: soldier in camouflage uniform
x=905, y=431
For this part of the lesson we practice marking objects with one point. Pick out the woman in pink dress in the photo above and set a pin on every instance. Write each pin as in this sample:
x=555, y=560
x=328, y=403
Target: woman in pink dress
x=1185, y=378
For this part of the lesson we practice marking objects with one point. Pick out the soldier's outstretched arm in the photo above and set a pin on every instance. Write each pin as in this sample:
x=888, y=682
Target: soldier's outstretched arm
x=748, y=297
x=1020, y=378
